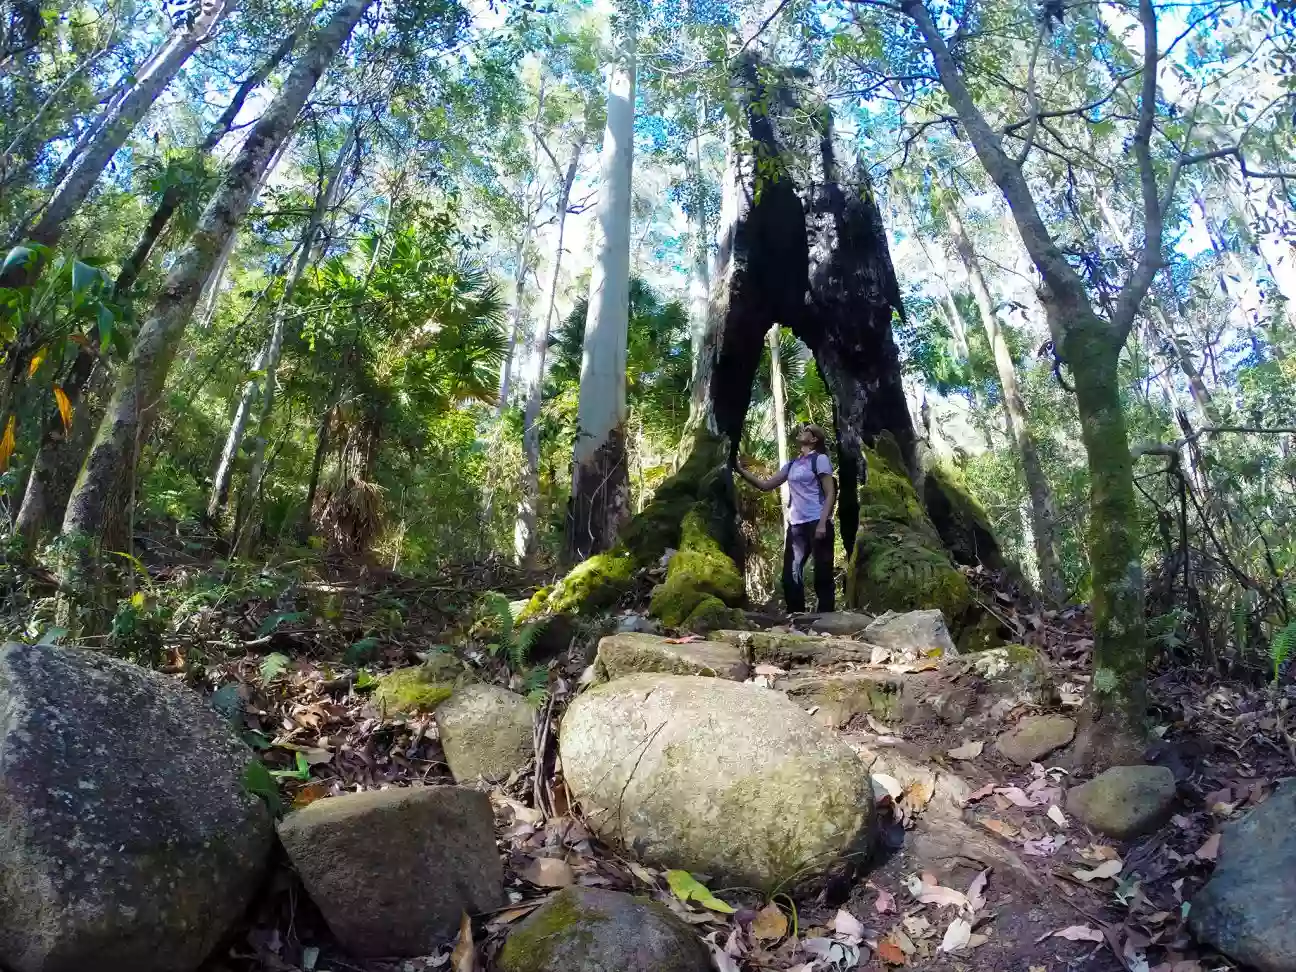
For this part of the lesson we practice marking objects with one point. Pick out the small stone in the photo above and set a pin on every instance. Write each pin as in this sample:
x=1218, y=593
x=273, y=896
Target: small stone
x=393, y=870
x=840, y=624
x=595, y=930
x=622, y=654
x=1125, y=801
x=637, y=624
x=1034, y=737
x=838, y=699
x=715, y=777
x=1016, y=672
x=1246, y=908
x=789, y=650
x=912, y=635
x=486, y=732
x=128, y=838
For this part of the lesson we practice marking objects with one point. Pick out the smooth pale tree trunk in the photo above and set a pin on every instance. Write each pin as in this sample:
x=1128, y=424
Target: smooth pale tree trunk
x=780, y=407
x=121, y=120
x=140, y=382
x=1043, y=510
x=246, y=521
x=526, y=536
x=1117, y=708
x=600, y=501
x=701, y=282
x=515, y=325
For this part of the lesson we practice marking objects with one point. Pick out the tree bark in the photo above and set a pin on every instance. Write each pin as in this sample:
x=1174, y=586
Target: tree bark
x=139, y=385
x=600, y=501
x=526, y=536
x=122, y=117
x=780, y=407
x=1043, y=511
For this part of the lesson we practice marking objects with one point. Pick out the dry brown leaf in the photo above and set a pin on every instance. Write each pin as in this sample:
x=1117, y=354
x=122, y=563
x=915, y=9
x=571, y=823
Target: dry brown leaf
x=976, y=890
x=943, y=897
x=464, y=956
x=1100, y=852
x=919, y=794
x=981, y=794
x=770, y=924
x=1079, y=933
x=902, y=941
x=549, y=872
x=769, y=670
x=957, y=935
x=1016, y=796
x=642, y=873
x=997, y=826
x=885, y=902
x=848, y=926
x=890, y=784
x=1057, y=816
x=917, y=926
x=891, y=954
x=1209, y=850
x=969, y=750
x=1107, y=869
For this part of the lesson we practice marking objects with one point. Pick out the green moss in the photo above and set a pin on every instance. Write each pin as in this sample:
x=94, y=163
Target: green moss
x=981, y=635
x=712, y=614
x=553, y=933
x=960, y=520
x=536, y=605
x=889, y=494
x=699, y=570
x=409, y=690
x=594, y=585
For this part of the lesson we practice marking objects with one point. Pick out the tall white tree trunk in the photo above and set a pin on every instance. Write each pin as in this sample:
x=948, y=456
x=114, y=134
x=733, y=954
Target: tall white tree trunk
x=780, y=408
x=139, y=384
x=120, y=120
x=1043, y=512
x=600, y=482
x=526, y=536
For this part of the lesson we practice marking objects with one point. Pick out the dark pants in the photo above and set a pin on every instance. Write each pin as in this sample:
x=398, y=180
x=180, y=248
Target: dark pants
x=801, y=543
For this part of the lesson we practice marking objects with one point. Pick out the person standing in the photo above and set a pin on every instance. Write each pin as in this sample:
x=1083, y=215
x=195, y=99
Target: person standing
x=813, y=492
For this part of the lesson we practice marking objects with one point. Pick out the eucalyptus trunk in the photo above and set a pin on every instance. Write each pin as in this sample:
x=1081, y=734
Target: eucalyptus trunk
x=141, y=379
x=600, y=501
x=1043, y=510
x=526, y=536
x=780, y=407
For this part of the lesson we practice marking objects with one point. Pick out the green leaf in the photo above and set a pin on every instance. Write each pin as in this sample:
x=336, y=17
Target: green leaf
x=272, y=622
x=106, y=320
x=364, y=680
x=84, y=276
x=258, y=781
x=360, y=651
x=227, y=701
x=273, y=665
x=52, y=636
x=688, y=888
x=17, y=257
x=302, y=772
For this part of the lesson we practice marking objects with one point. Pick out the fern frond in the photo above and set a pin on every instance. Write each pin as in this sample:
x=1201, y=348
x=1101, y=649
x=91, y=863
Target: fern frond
x=495, y=608
x=1280, y=648
x=521, y=644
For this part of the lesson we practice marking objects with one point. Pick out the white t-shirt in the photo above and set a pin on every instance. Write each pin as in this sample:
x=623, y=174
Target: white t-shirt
x=807, y=500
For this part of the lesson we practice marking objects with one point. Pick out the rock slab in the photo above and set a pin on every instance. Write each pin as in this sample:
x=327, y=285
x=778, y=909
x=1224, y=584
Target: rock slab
x=624, y=654
x=1124, y=801
x=1034, y=737
x=716, y=777
x=393, y=870
x=912, y=634
x=486, y=732
x=840, y=624
x=594, y=930
x=1246, y=908
x=127, y=838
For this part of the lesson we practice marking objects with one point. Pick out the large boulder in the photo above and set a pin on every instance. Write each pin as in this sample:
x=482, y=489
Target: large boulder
x=1124, y=801
x=1246, y=909
x=594, y=930
x=393, y=870
x=127, y=837
x=911, y=635
x=623, y=654
x=714, y=776
x=486, y=732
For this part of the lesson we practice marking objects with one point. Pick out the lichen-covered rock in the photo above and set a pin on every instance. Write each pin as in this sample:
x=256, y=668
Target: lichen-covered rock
x=486, y=732
x=898, y=562
x=838, y=624
x=624, y=654
x=419, y=688
x=699, y=570
x=593, y=585
x=393, y=870
x=1246, y=909
x=1016, y=672
x=127, y=837
x=712, y=614
x=595, y=930
x=1035, y=736
x=911, y=635
x=1124, y=801
x=787, y=649
x=716, y=777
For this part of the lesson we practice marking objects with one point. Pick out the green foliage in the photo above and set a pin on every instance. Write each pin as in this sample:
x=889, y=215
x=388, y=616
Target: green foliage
x=688, y=888
x=273, y=665
x=258, y=781
x=1280, y=648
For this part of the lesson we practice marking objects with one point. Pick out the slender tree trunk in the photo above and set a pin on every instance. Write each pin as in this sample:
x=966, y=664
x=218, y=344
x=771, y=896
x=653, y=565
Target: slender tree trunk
x=780, y=407
x=600, y=501
x=526, y=536
x=1043, y=511
x=117, y=127
x=326, y=199
x=515, y=325
x=139, y=385
x=701, y=280
x=234, y=441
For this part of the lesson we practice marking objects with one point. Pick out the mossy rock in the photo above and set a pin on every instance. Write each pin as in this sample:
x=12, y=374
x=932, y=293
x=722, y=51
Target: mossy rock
x=794, y=650
x=961, y=521
x=888, y=493
x=596, y=930
x=982, y=635
x=624, y=654
x=698, y=571
x=419, y=688
x=896, y=567
x=593, y=585
x=712, y=614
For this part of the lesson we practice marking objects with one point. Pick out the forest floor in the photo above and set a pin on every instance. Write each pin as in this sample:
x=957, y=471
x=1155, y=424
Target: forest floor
x=1032, y=889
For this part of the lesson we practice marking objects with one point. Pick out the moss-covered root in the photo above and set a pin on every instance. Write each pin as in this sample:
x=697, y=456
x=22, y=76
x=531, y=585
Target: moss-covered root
x=594, y=585
x=699, y=571
x=960, y=520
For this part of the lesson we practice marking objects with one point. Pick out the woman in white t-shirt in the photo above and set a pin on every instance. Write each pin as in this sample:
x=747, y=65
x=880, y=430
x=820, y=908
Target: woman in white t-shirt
x=813, y=491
